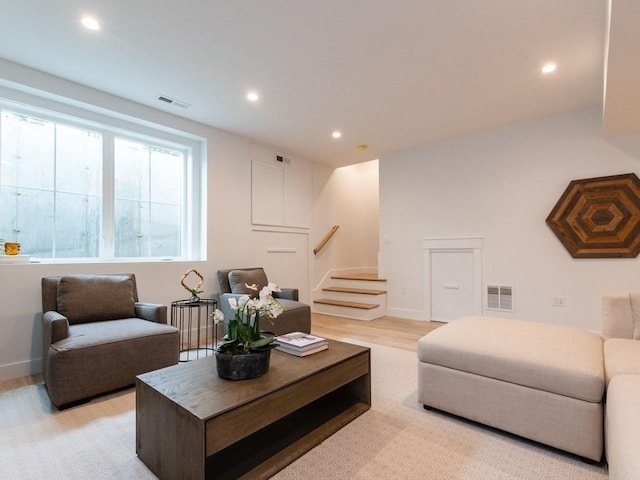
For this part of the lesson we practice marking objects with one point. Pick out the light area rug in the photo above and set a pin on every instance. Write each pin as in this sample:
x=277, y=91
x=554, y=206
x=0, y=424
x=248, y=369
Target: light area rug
x=396, y=439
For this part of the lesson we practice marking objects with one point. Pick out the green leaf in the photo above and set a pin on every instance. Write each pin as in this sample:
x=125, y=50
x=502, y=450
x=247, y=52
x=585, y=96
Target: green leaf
x=262, y=342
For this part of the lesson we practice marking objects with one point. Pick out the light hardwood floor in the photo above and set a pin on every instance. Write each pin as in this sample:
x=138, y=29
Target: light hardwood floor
x=389, y=331
x=18, y=382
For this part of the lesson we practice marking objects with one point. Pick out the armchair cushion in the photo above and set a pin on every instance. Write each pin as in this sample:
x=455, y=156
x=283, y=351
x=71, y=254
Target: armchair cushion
x=92, y=298
x=110, y=332
x=238, y=279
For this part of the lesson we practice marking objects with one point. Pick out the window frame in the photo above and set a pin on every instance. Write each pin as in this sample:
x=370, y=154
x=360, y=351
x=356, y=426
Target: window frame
x=112, y=125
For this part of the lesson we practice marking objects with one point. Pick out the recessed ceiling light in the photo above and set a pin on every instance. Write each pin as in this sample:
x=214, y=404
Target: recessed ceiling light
x=549, y=68
x=253, y=96
x=90, y=23
x=336, y=134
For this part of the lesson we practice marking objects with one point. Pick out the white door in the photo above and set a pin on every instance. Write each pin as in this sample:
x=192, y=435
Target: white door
x=285, y=258
x=452, y=284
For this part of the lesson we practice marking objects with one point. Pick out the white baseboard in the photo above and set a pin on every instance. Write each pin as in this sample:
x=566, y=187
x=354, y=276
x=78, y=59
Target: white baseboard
x=405, y=313
x=20, y=369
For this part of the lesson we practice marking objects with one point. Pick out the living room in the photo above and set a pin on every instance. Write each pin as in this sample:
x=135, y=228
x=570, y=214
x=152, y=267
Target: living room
x=494, y=182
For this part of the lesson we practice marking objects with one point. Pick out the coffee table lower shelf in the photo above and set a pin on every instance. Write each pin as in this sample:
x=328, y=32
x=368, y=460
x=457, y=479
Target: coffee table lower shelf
x=275, y=447
x=190, y=424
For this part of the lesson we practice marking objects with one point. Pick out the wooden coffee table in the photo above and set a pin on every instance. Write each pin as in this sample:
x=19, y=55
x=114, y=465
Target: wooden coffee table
x=191, y=424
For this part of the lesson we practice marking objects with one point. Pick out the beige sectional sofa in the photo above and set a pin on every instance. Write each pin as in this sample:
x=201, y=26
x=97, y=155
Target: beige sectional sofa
x=621, y=334
x=544, y=382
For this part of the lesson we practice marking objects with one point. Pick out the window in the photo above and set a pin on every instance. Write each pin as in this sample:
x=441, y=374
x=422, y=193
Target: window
x=148, y=200
x=74, y=190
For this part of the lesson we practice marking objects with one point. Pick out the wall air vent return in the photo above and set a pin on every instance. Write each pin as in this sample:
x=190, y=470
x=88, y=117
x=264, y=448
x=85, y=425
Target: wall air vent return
x=282, y=159
x=500, y=297
x=172, y=101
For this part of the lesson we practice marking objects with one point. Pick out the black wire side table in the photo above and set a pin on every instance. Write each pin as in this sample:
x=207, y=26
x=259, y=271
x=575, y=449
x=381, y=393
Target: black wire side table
x=198, y=331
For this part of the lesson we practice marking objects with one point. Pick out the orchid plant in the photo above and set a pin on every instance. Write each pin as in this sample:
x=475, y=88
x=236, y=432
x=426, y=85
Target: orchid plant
x=243, y=331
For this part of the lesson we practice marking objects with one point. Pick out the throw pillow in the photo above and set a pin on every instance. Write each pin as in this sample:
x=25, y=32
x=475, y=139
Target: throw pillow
x=92, y=298
x=239, y=279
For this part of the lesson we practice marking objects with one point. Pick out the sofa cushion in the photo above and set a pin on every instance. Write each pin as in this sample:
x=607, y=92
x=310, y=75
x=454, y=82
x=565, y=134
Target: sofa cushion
x=634, y=301
x=561, y=360
x=616, y=320
x=239, y=279
x=621, y=356
x=93, y=298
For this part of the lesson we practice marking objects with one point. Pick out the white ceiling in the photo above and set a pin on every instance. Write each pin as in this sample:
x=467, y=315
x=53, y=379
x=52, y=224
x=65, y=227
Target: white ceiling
x=391, y=74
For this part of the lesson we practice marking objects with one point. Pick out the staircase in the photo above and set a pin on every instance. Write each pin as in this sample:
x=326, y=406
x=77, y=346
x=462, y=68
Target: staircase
x=360, y=296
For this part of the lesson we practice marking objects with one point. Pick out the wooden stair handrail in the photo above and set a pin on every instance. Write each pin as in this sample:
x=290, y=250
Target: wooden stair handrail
x=326, y=238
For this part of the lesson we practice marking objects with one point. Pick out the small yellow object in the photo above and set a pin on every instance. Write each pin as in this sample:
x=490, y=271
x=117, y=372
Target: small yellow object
x=362, y=147
x=11, y=248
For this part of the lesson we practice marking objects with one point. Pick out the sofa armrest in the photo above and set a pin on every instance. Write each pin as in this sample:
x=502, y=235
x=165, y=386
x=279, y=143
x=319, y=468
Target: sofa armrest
x=617, y=317
x=55, y=327
x=154, y=312
x=288, y=293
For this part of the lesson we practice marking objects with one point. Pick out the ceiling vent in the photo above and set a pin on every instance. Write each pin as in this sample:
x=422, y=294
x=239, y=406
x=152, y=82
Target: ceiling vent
x=500, y=297
x=172, y=101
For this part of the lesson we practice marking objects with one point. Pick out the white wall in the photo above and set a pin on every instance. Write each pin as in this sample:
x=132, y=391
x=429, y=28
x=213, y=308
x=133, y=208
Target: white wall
x=229, y=233
x=501, y=185
x=347, y=197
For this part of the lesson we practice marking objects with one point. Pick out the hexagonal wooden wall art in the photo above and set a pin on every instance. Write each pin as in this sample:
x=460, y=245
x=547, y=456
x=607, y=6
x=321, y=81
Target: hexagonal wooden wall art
x=599, y=217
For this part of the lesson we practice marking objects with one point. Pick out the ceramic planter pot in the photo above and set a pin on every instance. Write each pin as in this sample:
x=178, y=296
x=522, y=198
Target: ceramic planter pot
x=242, y=366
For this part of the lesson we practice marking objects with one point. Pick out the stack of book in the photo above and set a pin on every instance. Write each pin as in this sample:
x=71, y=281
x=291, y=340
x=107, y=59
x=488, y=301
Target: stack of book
x=301, y=344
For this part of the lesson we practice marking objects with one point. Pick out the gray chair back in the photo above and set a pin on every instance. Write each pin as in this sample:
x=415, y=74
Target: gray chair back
x=50, y=291
x=223, y=278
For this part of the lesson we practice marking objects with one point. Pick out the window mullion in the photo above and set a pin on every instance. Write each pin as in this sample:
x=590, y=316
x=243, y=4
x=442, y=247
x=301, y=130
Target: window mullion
x=108, y=196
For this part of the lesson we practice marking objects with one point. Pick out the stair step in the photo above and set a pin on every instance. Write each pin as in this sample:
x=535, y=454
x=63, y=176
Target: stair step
x=342, y=303
x=371, y=277
x=362, y=291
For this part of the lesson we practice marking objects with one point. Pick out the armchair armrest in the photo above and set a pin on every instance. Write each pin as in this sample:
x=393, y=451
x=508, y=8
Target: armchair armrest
x=287, y=293
x=154, y=312
x=55, y=327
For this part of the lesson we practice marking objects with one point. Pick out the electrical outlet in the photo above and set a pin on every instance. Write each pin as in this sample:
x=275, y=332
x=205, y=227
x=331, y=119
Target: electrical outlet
x=558, y=301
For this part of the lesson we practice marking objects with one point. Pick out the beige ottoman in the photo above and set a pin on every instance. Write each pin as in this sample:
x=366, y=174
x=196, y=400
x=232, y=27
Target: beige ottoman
x=542, y=382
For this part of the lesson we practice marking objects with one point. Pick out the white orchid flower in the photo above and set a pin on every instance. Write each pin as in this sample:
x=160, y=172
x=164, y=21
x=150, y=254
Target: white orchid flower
x=253, y=287
x=218, y=316
x=265, y=295
x=233, y=303
x=275, y=309
x=273, y=287
x=242, y=301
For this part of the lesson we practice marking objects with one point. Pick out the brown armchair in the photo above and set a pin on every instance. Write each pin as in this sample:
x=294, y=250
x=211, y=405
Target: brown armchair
x=97, y=336
x=296, y=316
